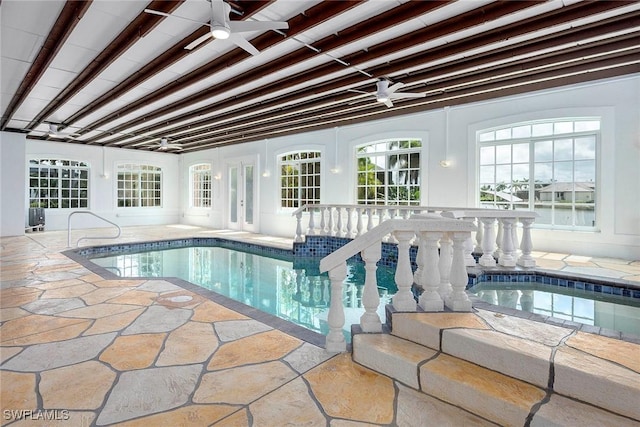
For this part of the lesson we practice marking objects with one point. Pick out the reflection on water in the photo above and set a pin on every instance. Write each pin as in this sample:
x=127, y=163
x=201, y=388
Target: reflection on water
x=293, y=291
x=589, y=308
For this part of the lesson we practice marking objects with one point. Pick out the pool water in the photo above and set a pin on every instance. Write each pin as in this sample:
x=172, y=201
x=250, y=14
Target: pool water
x=589, y=308
x=294, y=291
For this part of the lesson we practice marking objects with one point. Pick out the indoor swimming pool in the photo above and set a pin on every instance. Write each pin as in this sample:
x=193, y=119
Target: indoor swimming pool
x=290, y=287
x=276, y=284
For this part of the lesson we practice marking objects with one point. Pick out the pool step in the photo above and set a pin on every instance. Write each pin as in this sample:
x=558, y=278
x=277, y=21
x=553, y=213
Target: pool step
x=508, y=378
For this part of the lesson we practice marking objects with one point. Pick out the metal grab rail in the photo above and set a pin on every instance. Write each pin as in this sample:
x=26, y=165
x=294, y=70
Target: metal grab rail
x=87, y=238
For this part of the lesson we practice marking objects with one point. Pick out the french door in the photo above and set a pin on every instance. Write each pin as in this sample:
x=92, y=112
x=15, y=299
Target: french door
x=242, y=196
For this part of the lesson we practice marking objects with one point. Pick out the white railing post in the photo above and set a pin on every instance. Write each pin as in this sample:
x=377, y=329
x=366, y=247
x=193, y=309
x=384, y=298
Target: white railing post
x=323, y=223
x=335, y=341
x=430, y=276
x=370, y=218
x=444, y=266
x=403, y=299
x=312, y=223
x=350, y=232
x=370, y=321
x=469, y=260
x=506, y=258
x=479, y=236
x=458, y=300
x=330, y=224
x=488, y=242
x=339, y=230
x=526, y=260
x=359, y=222
x=299, y=227
x=498, y=252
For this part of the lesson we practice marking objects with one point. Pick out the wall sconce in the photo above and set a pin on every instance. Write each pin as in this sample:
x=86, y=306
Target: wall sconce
x=266, y=174
x=445, y=163
x=105, y=175
x=217, y=176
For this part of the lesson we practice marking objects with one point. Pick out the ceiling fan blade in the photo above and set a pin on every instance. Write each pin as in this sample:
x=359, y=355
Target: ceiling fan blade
x=244, y=26
x=360, y=91
x=241, y=42
x=220, y=12
x=198, y=41
x=155, y=12
x=394, y=87
x=408, y=95
x=388, y=103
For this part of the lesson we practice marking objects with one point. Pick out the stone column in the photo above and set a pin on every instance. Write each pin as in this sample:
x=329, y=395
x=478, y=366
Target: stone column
x=403, y=299
x=335, y=341
x=430, y=299
x=370, y=321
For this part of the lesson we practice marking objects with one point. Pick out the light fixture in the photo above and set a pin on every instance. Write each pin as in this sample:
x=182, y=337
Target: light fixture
x=336, y=168
x=220, y=32
x=445, y=163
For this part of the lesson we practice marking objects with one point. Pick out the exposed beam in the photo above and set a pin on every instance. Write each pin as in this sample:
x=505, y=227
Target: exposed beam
x=67, y=20
x=142, y=24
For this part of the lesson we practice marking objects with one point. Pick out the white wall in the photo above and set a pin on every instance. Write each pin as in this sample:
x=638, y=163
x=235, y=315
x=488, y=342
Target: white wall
x=12, y=171
x=617, y=101
x=102, y=191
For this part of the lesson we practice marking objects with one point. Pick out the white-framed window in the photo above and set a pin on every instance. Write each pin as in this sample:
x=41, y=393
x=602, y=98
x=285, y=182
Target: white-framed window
x=300, y=178
x=388, y=172
x=139, y=186
x=549, y=167
x=200, y=179
x=58, y=183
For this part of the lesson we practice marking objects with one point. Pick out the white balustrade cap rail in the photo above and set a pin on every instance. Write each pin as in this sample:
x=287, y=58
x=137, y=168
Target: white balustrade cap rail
x=425, y=222
x=488, y=213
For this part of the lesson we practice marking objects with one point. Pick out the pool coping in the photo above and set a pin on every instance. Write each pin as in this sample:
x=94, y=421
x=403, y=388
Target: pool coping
x=79, y=255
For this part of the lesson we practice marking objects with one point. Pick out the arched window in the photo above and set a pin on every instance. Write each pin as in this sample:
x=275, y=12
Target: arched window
x=57, y=183
x=546, y=166
x=139, y=186
x=200, y=180
x=389, y=172
x=299, y=178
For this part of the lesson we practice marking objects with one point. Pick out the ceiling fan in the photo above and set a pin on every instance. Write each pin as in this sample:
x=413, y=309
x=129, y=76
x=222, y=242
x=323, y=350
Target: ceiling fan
x=165, y=144
x=386, y=93
x=55, y=131
x=223, y=28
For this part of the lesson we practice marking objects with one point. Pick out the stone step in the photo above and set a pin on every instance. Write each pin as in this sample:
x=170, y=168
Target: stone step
x=484, y=392
x=582, y=366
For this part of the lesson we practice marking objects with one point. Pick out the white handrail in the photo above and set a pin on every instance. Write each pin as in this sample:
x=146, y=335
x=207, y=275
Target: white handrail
x=88, y=237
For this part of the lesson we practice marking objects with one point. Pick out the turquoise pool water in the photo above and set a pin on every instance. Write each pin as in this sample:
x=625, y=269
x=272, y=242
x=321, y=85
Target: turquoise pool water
x=294, y=291
x=589, y=308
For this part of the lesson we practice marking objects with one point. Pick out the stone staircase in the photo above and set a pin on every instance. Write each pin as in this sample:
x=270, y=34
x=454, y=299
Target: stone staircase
x=510, y=371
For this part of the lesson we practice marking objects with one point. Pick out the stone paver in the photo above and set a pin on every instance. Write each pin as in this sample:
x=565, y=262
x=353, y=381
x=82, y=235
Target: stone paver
x=53, y=305
x=133, y=351
x=236, y=329
x=291, y=404
x=149, y=391
x=158, y=319
x=40, y=357
x=68, y=388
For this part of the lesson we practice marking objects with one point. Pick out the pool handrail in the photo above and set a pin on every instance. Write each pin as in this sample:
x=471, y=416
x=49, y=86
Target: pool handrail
x=89, y=237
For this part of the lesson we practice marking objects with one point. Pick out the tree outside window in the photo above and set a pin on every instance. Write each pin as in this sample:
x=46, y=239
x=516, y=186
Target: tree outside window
x=389, y=172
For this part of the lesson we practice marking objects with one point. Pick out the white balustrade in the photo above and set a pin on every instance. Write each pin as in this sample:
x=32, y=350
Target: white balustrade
x=429, y=229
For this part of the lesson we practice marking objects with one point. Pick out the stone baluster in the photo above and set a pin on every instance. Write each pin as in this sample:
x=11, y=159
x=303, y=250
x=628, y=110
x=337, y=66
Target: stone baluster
x=359, y=224
x=526, y=246
x=323, y=223
x=499, y=237
x=458, y=300
x=444, y=266
x=469, y=260
x=312, y=225
x=299, y=227
x=487, y=259
x=370, y=321
x=479, y=236
x=335, y=341
x=514, y=238
x=403, y=299
x=430, y=299
x=330, y=224
x=339, y=227
x=350, y=232
x=370, y=214
x=506, y=258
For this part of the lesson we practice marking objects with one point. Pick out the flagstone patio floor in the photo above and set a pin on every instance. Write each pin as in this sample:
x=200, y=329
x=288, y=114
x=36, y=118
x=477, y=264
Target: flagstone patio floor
x=88, y=351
